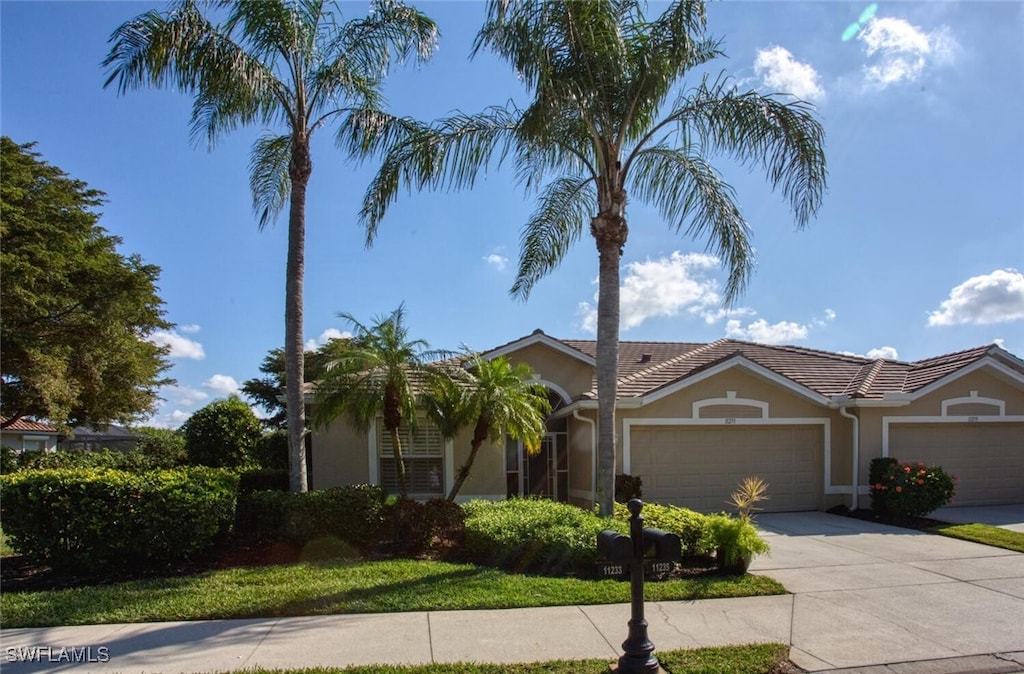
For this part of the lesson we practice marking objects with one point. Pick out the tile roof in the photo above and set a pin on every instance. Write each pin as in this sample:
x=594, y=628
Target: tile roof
x=24, y=425
x=647, y=367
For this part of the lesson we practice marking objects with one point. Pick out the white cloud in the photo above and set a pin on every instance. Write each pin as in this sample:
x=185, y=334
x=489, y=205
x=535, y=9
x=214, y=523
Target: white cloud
x=980, y=300
x=183, y=395
x=181, y=347
x=662, y=287
x=763, y=332
x=899, y=51
x=1000, y=342
x=886, y=352
x=822, y=322
x=499, y=262
x=221, y=384
x=326, y=336
x=778, y=69
x=189, y=329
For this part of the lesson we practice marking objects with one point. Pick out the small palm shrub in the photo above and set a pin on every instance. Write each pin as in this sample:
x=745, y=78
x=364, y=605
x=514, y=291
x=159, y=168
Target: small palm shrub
x=749, y=492
x=534, y=536
x=911, y=490
x=737, y=542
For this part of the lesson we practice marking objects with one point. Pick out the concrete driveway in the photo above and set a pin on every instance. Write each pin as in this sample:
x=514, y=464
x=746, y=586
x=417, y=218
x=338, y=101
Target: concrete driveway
x=868, y=594
x=1005, y=516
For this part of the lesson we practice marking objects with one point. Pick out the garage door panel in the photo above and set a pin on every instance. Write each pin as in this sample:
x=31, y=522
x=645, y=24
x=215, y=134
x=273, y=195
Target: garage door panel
x=987, y=458
x=699, y=467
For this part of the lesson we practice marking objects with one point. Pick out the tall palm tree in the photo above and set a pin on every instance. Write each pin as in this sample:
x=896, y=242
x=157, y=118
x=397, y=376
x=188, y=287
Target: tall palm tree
x=499, y=399
x=608, y=118
x=379, y=372
x=289, y=64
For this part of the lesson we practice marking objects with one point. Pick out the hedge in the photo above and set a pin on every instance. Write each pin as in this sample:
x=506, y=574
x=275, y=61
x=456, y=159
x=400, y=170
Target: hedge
x=351, y=513
x=93, y=520
x=533, y=535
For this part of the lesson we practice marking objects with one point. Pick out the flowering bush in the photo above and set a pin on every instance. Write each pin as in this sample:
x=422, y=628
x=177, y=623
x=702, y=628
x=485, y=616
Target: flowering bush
x=911, y=490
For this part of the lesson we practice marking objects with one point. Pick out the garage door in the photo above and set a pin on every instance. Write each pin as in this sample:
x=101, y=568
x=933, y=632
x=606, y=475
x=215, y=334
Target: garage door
x=988, y=458
x=698, y=467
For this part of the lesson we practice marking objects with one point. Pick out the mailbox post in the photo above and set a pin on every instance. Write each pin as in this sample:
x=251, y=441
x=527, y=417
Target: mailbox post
x=638, y=650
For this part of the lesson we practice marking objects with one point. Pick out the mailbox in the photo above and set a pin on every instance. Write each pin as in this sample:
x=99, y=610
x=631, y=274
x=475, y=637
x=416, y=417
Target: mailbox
x=663, y=546
x=614, y=547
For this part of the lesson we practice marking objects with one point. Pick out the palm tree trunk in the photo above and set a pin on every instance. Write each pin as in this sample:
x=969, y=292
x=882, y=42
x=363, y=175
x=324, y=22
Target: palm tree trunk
x=480, y=433
x=299, y=171
x=403, y=480
x=610, y=232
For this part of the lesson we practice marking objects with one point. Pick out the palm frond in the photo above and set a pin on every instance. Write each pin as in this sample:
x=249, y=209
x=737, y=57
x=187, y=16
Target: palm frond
x=564, y=208
x=688, y=192
x=269, y=180
x=390, y=30
x=784, y=138
x=449, y=154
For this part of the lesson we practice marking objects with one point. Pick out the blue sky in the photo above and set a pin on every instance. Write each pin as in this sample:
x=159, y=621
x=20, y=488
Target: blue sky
x=917, y=251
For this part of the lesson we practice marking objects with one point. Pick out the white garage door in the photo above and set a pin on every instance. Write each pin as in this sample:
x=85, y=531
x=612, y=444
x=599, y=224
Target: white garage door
x=698, y=467
x=988, y=458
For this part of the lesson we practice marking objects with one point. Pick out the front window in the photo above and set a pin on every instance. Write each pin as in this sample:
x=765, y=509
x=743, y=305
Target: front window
x=423, y=451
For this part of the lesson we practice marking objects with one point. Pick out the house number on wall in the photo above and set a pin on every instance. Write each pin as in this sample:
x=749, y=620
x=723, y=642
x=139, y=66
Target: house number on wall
x=730, y=420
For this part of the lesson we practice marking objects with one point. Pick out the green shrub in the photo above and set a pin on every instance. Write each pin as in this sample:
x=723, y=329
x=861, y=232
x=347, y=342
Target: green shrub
x=736, y=542
x=411, y=528
x=628, y=487
x=876, y=473
x=8, y=459
x=272, y=451
x=91, y=520
x=351, y=514
x=265, y=479
x=135, y=460
x=912, y=490
x=533, y=535
x=165, y=448
x=222, y=435
x=690, y=526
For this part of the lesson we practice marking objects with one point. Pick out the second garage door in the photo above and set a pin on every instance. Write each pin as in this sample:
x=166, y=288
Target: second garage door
x=698, y=467
x=986, y=458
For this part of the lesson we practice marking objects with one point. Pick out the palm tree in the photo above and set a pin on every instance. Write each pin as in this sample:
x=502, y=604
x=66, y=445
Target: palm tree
x=379, y=372
x=290, y=64
x=608, y=118
x=498, y=398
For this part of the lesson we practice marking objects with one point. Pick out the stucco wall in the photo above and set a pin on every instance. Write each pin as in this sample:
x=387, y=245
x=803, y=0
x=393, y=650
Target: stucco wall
x=572, y=374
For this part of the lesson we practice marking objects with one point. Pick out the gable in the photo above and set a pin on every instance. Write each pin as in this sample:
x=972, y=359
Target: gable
x=982, y=391
x=562, y=370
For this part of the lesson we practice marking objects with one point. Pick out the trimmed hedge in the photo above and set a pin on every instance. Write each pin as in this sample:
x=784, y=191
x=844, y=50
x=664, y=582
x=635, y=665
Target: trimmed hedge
x=533, y=535
x=265, y=479
x=135, y=460
x=93, y=520
x=352, y=514
x=693, y=528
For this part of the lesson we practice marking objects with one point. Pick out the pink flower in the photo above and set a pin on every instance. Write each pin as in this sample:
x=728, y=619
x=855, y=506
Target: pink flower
x=920, y=481
x=899, y=489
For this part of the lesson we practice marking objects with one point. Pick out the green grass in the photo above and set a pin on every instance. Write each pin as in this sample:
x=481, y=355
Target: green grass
x=341, y=587
x=5, y=547
x=752, y=659
x=983, y=533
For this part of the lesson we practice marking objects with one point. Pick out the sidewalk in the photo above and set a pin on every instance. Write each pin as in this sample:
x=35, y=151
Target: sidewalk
x=504, y=636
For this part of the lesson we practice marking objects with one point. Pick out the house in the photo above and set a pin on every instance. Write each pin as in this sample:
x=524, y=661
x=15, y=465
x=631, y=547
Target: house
x=28, y=435
x=112, y=437
x=693, y=419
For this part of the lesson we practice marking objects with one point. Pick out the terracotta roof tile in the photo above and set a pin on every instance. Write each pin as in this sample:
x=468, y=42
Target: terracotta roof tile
x=29, y=426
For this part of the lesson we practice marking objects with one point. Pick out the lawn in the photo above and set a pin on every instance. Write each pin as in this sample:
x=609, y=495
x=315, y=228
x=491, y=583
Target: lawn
x=342, y=587
x=982, y=533
x=752, y=659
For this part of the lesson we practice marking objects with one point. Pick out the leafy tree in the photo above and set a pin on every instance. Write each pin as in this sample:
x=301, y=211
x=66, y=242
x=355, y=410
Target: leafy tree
x=497, y=398
x=290, y=64
x=608, y=118
x=164, y=445
x=267, y=390
x=376, y=373
x=76, y=313
x=223, y=434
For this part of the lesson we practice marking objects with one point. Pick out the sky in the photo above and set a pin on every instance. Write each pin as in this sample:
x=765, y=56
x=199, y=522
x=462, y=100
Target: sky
x=917, y=251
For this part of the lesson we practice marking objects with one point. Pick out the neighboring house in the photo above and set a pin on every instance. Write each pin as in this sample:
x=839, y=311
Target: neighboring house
x=694, y=419
x=27, y=435
x=113, y=437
